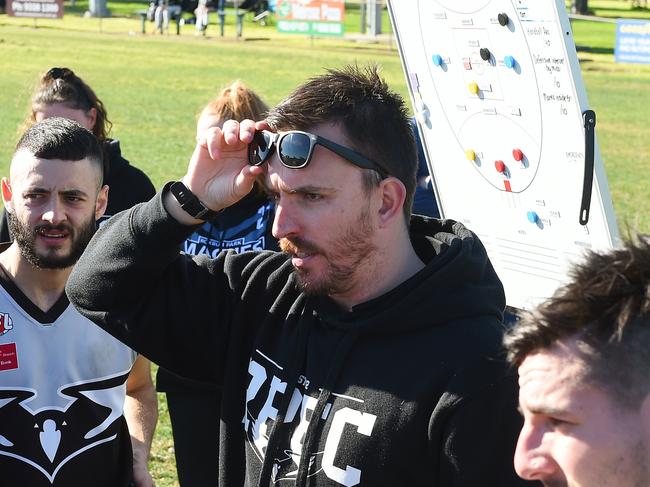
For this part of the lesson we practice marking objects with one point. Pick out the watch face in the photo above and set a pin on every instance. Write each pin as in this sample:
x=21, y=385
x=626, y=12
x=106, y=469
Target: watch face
x=190, y=203
x=180, y=191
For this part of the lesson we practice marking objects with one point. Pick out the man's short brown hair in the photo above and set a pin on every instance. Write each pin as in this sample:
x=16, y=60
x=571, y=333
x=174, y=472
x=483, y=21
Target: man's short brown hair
x=606, y=307
x=374, y=119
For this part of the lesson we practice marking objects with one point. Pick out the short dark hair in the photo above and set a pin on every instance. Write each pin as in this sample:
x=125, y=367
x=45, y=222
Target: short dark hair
x=606, y=307
x=61, y=138
x=374, y=119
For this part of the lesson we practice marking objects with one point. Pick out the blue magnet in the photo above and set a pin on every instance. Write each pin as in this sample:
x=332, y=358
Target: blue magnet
x=437, y=59
x=532, y=217
x=509, y=61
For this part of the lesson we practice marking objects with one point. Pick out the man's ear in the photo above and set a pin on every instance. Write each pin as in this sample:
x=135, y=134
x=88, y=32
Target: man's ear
x=7, y=194
x=101, y=202
x=393, y=194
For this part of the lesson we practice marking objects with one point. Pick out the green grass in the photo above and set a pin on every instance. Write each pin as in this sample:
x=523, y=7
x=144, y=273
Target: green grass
x=155, y=85
x=616, y=9
x=620, y=96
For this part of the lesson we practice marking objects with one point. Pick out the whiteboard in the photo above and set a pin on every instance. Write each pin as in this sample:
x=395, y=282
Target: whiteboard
x=502, y=110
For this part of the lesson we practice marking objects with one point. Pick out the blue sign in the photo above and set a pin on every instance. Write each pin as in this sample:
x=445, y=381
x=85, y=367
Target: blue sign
x=632, y=41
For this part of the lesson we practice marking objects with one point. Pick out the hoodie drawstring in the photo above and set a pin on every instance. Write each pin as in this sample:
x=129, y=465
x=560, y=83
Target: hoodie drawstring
x=293, y=372
x=338, y=360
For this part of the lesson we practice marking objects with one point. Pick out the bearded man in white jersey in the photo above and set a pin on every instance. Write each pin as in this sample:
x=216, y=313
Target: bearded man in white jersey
x=77, y=407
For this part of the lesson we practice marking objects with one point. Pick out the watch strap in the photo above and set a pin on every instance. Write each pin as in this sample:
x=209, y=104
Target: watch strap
x=190, y=203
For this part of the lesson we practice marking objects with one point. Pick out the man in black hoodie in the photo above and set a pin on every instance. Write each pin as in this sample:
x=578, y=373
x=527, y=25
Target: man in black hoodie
x=367, y=353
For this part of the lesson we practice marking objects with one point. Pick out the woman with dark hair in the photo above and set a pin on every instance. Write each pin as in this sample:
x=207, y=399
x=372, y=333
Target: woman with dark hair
x=61, y=93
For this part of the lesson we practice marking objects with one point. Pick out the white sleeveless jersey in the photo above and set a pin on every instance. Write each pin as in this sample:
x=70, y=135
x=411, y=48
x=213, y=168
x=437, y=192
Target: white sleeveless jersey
x=62, y=391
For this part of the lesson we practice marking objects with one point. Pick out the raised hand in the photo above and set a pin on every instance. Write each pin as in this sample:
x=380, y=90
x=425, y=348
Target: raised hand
x=218, y=172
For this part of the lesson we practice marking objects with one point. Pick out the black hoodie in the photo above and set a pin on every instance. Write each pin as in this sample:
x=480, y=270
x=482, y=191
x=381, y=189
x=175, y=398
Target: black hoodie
x=406, y=389
x=246, y=225
x=127, y=184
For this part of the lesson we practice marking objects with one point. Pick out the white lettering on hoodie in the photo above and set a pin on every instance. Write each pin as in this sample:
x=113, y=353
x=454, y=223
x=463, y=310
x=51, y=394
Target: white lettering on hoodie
x=266, y=388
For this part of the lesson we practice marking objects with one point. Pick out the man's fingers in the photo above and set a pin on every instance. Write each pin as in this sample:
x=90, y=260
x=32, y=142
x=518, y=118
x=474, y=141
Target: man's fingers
x=262, y=125
x=246, y=178
x=230, y=131
x=253, y=171
x=247, y=131
x=212, y=144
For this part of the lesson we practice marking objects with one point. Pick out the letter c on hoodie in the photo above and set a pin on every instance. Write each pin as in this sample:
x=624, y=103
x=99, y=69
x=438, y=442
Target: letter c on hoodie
x=364, y=423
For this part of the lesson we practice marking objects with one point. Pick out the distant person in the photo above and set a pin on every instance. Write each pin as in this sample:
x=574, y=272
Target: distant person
x=61, y=93
x=77, y=408
x=164, y=11
x=194, y=406
x=368, y=351
x=584, y=362
x=202, y=19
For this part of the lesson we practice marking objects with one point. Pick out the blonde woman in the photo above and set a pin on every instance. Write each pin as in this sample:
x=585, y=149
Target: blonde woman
x=194, y=407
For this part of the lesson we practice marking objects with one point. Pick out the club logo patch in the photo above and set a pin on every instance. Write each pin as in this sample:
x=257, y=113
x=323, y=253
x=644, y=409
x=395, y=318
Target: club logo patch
x=8, y=357
x=6, y=323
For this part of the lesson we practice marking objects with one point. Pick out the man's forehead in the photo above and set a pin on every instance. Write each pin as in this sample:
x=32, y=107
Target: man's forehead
x=28, y=169
x=549, y=377
x=562, y=360
x=288, y=182
x=22, y=162
x=325, y=168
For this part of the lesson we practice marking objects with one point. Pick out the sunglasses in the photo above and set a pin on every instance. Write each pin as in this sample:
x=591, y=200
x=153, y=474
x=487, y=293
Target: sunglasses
x=295, y=149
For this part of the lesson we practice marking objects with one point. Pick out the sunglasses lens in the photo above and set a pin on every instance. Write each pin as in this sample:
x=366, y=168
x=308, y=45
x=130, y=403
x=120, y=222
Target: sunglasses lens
x=294, y=150
x=258, y=150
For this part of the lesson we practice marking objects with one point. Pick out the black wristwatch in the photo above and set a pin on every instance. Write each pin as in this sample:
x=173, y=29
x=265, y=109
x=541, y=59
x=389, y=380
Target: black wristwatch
x=190, y=203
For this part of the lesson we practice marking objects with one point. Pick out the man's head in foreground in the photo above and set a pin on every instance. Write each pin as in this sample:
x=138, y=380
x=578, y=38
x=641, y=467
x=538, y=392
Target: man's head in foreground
x=584, y=376
x=335, y=214
x=54, y=193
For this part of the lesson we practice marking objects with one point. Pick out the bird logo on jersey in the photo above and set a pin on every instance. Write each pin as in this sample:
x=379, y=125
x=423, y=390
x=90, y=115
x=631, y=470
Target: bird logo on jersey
x=48, y=439
x=6, y=323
